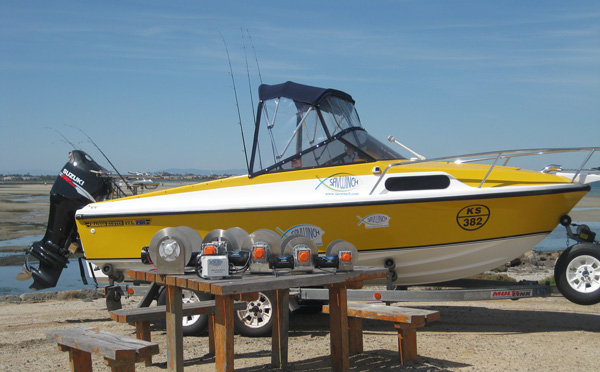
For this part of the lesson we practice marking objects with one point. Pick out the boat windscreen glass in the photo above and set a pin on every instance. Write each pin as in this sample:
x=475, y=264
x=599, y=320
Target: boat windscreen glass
x=295, y=135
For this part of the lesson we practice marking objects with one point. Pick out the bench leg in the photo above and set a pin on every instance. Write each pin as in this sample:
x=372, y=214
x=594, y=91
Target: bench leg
x=81, y=361
x=279, y=344
x=338, y=328
x=142, y=332
x=211, y=333
x=407, y=342
x=120, y=365
x=355, y=335
x=224, y=354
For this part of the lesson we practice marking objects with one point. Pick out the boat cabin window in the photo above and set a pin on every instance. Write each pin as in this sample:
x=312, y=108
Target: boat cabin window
x=295, y=135
x=413, y=183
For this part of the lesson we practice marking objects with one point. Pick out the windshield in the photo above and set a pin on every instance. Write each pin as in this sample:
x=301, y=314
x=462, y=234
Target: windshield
x=295, y=135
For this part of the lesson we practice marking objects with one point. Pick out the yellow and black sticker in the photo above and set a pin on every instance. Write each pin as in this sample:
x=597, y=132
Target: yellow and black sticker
x=113, y=223
x=473, y=217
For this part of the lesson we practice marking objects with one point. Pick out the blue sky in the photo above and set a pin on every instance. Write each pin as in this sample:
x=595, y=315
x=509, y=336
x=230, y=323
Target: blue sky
x=149, y=81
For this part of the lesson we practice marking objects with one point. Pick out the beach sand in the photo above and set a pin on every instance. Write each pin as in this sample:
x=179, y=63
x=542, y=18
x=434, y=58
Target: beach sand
x=543, y=334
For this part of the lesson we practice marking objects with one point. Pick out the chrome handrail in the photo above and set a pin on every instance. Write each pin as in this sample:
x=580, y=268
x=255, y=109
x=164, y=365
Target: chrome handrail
x=495, y=156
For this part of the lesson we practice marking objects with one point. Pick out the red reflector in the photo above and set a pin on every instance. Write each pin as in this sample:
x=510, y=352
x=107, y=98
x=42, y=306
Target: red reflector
x=210, y=249
x=130, y=290
x=346, y=257
x=377, y=296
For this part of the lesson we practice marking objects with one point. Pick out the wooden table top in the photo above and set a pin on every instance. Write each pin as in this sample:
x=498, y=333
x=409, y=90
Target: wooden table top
x=245, y=283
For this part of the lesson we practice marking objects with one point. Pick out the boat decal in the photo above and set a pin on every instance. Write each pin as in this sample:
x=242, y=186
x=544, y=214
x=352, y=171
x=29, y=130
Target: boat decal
x=374, y=221
x=129, y=222
x=339, y=183
x=77, y=183
x=514, y=293
x=314, y=233
x=473, y=217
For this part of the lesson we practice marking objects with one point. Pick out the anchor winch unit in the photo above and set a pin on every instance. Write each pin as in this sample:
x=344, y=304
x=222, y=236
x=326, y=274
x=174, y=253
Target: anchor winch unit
x=224, y=252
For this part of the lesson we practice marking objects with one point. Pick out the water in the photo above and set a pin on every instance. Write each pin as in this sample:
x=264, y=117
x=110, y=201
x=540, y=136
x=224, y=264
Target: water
x=24, y=241
x=70, y=279
x=42, y=198
x=595, y=191
x=557, y=240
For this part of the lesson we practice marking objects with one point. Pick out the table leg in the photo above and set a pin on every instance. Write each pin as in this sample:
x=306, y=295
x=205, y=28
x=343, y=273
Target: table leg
x=281, y=315
x=223, y=333
x=338, y=325
x=174, y=329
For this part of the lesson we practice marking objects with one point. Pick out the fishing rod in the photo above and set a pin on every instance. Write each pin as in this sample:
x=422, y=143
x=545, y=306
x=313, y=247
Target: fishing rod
x=105, y=157
x=260, y=78
x=236, y=102
x=248, y=73
x=255, y=57
x=65, y=138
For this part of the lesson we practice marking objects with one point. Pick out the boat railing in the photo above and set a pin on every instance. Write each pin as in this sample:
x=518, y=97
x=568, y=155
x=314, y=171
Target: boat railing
x=495, y=157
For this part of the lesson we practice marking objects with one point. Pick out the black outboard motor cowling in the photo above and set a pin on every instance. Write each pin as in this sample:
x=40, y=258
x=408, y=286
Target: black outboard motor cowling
x=82, y=181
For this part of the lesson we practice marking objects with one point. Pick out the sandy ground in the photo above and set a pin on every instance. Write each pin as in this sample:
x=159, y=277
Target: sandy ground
x=544, y=334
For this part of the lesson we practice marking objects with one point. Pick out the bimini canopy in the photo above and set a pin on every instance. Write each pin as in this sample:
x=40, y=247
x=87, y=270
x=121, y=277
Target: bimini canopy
x=300, y=93
x=300, y=127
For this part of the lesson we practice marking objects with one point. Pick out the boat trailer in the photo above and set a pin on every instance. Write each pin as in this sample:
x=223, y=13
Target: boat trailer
x=459, y=290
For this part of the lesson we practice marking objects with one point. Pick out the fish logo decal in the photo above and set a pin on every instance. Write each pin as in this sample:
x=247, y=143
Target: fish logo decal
x=339, y=183
x=314, y=233
x=374, y=221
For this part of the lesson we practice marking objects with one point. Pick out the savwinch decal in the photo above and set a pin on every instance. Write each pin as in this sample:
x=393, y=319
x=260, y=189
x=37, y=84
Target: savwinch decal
x=374, y=221
x=339, y=183
x=473, y=217
x=140, y=222
x=314, y=233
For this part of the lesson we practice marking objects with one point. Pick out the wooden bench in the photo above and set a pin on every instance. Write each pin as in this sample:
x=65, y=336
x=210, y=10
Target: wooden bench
x=406, y=320
x=141, y=317
x=119, y=352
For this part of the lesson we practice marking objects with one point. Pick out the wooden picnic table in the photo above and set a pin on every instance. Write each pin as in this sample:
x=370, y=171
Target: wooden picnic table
x=230, y=288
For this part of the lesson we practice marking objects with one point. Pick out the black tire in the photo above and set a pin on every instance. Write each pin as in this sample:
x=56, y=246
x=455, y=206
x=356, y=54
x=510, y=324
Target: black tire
x=192, y=325
x=577, y=274
x=257, y=319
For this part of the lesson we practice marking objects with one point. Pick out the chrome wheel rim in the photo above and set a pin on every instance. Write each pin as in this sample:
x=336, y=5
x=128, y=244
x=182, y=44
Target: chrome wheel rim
x=257, y=313
x=583, y=274
x=188, y=297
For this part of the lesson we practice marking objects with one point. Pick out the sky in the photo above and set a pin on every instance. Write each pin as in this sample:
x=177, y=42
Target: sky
x=149, y=81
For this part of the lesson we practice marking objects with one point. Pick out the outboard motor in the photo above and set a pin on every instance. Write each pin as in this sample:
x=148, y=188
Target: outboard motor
x=82, y=181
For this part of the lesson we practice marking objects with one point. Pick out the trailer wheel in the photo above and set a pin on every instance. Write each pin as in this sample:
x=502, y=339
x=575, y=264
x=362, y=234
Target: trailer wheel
x=577, y=274
x=192, y=325
x=257, y=319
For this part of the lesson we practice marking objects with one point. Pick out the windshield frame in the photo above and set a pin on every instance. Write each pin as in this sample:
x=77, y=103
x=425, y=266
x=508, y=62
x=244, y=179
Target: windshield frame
x=339, y=109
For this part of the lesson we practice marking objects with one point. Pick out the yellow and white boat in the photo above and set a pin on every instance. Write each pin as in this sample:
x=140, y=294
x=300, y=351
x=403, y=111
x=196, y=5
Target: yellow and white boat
x=315, y=171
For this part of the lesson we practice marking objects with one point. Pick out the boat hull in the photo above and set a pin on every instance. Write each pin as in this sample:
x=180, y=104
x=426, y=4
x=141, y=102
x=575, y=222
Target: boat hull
x=438, y=238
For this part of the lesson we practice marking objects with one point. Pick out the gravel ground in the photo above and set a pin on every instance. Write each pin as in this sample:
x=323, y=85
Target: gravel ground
x=542, y=334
